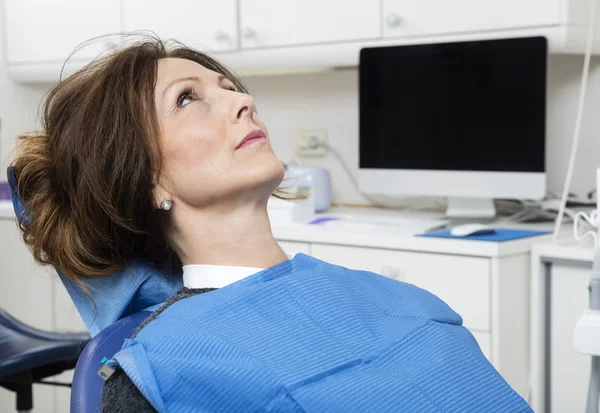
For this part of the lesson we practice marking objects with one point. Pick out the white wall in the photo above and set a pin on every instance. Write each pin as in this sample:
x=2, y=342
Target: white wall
x=565, y=78
x=291, y=103
x=18, y=107
x=18, y=110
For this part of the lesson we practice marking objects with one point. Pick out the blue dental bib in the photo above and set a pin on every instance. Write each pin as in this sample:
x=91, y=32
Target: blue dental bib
x=308, y=336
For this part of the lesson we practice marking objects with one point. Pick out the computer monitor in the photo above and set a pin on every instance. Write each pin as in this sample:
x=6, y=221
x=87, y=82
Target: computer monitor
x=465, y=120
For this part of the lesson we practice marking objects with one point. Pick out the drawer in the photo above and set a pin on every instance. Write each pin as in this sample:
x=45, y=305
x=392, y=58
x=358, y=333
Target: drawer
x=462, y=282
x=292, y=248
x=276, y=23
x=436, y=17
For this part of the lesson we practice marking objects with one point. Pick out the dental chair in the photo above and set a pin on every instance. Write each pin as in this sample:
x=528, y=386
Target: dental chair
x=86, y=394
x=86, y=388
x=29, y=355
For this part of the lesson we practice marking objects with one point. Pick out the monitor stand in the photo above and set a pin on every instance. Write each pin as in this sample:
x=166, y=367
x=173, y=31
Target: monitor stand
x=474, y=209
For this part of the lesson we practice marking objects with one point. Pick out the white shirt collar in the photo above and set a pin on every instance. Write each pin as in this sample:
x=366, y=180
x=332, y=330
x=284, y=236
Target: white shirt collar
x=214, y=276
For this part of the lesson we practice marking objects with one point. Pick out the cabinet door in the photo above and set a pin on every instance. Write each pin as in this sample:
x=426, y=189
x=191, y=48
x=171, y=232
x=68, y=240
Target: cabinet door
x=430, y=17
x=266, y=23
x=206, y=25
x=26, y=294
x=49, y=31
x=569, y=370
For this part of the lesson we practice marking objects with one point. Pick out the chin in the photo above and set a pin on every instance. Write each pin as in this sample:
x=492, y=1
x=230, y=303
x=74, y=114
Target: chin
x=275, y=172
x=267, y=174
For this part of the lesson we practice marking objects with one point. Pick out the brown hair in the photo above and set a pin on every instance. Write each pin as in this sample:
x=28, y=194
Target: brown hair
x=86, y=179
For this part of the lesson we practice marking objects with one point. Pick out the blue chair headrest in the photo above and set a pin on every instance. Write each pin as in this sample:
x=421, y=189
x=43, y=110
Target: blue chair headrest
x=140, y=286
x=86, y=393
x=16, y=201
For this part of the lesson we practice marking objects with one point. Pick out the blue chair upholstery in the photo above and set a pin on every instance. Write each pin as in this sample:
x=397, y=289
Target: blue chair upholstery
x=139, y=287
x=29, y=355
x=86, y=394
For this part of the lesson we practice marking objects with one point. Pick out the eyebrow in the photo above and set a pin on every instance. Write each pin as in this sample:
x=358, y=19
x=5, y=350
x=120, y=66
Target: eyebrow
x=220, y=79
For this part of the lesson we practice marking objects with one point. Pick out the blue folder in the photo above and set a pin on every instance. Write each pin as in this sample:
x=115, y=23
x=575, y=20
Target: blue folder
x=501, y=235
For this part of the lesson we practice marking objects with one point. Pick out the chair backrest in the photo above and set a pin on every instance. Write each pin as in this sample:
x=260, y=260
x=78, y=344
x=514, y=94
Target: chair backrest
x=86, y=393
x=140, y=286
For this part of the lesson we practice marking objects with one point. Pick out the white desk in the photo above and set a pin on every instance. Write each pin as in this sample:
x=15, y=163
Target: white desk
x=486, y=283
x=559, y=280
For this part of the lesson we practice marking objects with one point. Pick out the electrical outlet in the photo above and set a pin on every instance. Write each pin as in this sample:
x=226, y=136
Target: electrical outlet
x=305, y=136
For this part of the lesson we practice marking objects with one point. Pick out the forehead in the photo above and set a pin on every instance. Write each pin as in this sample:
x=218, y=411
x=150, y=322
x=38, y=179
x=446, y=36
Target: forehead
x=172, y=68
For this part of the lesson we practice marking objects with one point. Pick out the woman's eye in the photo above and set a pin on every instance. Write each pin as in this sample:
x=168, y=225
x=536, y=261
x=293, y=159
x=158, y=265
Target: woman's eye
x=232, y=88
x=186, y=97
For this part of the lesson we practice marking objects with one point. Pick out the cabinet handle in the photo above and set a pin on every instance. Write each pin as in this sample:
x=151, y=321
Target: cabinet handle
x=110, y=44
x=248, y=33
x=221, y=36
x=389, y=272
x=393, y=20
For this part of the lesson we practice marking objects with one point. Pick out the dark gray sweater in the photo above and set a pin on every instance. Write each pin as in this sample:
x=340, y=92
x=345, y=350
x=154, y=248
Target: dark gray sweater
x=120, y=395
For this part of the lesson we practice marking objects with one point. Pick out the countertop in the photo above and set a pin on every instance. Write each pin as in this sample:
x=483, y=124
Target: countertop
x=380, y=236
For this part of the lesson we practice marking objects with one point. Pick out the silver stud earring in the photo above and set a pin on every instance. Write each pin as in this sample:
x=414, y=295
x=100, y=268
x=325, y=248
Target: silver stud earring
x=166, y=204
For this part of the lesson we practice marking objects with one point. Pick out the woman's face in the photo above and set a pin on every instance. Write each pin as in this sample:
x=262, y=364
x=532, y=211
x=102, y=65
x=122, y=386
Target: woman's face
x=215, y=149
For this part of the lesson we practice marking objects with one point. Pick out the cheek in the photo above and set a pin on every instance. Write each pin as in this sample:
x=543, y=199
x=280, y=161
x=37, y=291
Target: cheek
x=196, y=152
x=192, y=145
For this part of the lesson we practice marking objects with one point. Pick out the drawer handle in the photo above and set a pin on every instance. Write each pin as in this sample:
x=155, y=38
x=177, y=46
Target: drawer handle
x=389, y=272
x=393, y=20
x=222, y=36
x=248, y=33
x=110, y=44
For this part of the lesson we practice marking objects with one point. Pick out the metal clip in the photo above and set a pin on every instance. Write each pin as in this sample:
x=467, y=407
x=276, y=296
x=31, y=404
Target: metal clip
x=105, y=372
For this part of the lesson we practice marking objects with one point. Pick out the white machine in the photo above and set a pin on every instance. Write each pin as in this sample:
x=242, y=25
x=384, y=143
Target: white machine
x=444, y=120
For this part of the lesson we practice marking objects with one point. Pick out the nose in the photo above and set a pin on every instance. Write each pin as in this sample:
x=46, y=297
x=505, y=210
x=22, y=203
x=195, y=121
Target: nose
x=243, y=109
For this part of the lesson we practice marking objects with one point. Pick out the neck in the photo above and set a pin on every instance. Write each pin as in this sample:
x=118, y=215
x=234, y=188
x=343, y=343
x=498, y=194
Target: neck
x=239, y=236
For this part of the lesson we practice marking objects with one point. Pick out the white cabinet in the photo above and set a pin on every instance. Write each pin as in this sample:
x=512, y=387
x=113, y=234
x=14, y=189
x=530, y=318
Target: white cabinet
x=443, y=275
x=569, y=370
x=276, y=35
x=490, y=293
x=21, y=277
x=268, y=23
x=49, y=31
x=559, y=296
x=432, y=17
x=203, y=24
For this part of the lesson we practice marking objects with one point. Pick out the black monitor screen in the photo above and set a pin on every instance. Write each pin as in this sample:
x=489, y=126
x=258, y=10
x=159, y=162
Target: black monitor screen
x=468, y=106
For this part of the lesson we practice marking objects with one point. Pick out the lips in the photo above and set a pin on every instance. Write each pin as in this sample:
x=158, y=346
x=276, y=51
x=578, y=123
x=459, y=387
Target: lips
x=252, y=137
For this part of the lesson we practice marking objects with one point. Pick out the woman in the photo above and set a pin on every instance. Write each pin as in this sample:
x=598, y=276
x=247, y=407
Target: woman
x=157, y=154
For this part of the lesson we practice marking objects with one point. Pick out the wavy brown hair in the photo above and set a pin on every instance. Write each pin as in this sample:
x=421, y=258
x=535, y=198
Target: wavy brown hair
x=86, y=178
